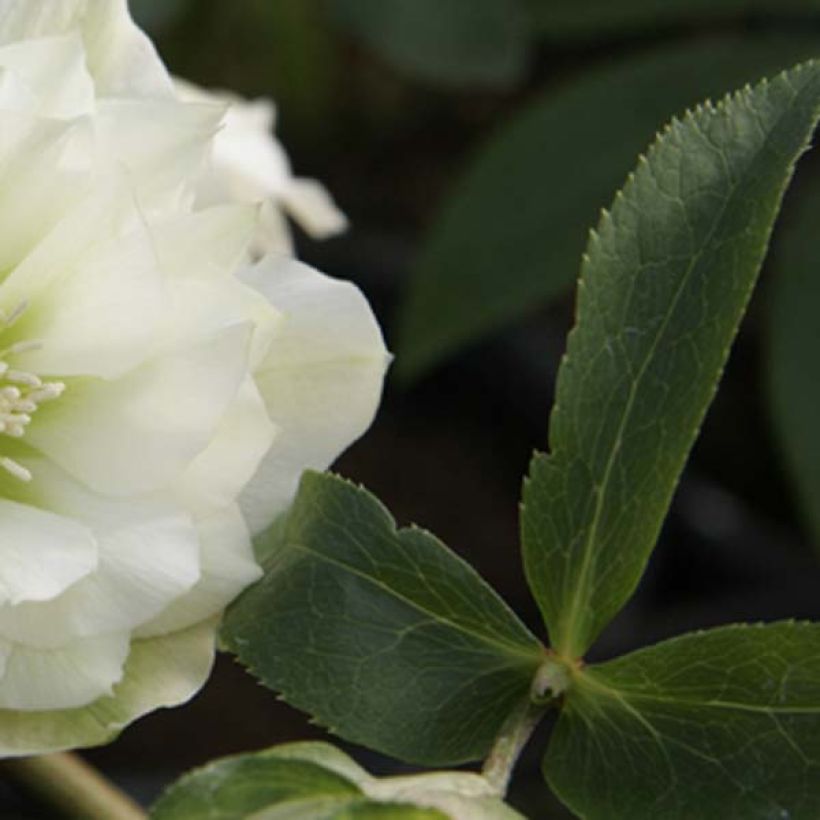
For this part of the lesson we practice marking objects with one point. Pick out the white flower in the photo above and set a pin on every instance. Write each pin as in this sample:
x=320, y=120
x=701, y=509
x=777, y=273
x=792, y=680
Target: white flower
x=158, y=396
x=249, y=165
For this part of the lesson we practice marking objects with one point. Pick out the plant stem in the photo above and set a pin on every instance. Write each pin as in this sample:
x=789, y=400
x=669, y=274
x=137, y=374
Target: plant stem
x=510, y=742
x=73, y=788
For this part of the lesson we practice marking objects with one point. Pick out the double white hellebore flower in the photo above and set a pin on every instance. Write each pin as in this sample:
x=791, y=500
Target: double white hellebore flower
x=159, y=396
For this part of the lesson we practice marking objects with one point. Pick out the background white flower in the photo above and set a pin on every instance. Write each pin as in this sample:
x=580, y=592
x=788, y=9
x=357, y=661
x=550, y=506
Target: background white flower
x=249, y=164
x=153, y=403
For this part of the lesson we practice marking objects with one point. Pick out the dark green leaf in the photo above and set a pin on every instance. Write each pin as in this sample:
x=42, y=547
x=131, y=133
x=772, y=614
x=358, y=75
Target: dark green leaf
x=454, y=42
x=384, y=636
x=795, y=352
x=663, y=287
x=568, y=18
x=510, y=236
x=712, y=725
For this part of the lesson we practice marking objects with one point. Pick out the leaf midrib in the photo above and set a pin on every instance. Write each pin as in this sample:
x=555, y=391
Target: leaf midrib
x=629, y=696
x=602, y=489
x=509, y=648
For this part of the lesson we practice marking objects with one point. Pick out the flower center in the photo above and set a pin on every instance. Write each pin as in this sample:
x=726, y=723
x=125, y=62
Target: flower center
x=21, y=393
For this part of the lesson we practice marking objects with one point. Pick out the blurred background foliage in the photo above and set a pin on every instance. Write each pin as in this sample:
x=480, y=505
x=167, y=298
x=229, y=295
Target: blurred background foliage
x=472, y=143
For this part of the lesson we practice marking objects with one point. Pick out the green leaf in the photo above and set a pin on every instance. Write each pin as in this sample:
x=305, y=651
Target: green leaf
x=452, y=42
x=794, y=334
x=663, y=286
x=238, y=786
x=383, y=635
x=316, y=780
x=567, y=18
x=711, y=725
x=509, y=237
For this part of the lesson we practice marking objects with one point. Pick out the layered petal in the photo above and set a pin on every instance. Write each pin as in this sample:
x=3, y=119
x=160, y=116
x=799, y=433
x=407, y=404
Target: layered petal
x=163, y=671
x=138, y=433
x=53, y=72
x=148, y=556
x=228, y=566
x=120, y=57
x=74, y=675
x=41, y=553
x=321, y=379
x=217, y=475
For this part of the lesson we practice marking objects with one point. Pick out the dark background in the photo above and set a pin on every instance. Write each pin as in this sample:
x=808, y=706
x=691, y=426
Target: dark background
x=390, y=139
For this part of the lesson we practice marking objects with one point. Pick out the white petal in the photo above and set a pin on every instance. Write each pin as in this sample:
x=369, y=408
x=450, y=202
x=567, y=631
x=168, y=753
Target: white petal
x=140, y=432
x=64, y=678
x=310, y=204
x=208, y=244
x=41, y=554
x=321, y=380
x=159, y=672
x=217, y=475
x=53, y=70
x=163, y=144
x=100, y=317
x=274, y=235
x=121, y=58
x=228, y=566
x=38, y=182
x=148, y=556
x=247, y=163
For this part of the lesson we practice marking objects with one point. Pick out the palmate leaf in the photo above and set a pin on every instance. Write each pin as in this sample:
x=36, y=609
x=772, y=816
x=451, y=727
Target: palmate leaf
x=382, y=635
x=713, y=725
x=509, y=237
x=663, y=286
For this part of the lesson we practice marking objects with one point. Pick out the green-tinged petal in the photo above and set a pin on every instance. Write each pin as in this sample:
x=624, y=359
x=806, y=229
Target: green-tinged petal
x=73, y=675
x=99, y=317
x=139, y=433
x=159, y=672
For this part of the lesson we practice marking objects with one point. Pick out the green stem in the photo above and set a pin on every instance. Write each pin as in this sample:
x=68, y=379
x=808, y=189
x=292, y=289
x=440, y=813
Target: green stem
x=510, y=742
x=71, y=787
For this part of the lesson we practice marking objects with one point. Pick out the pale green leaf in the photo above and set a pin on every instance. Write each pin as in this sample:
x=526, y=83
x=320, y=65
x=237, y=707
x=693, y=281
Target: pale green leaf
x=509, y=237
x=665, y=281
x=316, y=780
x=712, y=725
x=235, y=787
x=382, y=635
